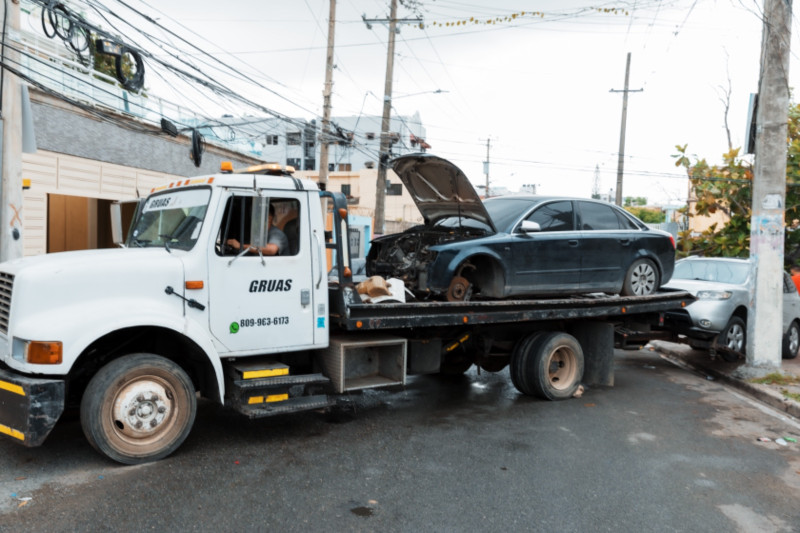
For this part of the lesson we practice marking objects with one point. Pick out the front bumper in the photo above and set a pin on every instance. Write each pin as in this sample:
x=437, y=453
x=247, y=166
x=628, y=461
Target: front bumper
x=680, y=321
x=29, y=407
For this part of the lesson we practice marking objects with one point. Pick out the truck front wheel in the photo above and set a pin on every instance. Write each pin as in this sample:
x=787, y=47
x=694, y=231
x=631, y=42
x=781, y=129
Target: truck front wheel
x=548, y=365
x=138, y=408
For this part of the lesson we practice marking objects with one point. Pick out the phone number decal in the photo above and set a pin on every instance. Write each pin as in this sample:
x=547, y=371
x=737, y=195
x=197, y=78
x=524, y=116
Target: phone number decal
x=260, y=322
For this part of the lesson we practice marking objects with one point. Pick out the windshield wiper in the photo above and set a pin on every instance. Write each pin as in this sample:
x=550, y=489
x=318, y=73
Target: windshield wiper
x=140, y=242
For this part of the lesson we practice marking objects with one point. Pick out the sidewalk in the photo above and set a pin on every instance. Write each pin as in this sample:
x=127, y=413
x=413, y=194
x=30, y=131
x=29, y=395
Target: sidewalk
x=783, y=396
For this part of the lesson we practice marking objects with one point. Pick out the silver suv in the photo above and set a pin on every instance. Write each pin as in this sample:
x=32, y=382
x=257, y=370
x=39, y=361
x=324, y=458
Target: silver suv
x=719, y=315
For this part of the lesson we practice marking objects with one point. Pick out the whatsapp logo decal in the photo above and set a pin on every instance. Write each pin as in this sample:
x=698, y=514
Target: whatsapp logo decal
x=234, y=327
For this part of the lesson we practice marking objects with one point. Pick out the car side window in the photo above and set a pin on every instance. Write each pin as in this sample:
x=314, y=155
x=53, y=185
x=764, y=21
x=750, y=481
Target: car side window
x=598, y=217
x=555, y=216
x=625, y=222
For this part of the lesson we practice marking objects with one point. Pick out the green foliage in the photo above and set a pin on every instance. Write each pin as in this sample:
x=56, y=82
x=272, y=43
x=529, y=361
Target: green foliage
x=728, y=188
x=634, y=200
x=647, y=215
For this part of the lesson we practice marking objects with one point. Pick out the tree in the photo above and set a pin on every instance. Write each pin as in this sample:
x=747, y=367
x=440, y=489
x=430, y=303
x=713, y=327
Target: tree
x=728, y=188
x=647, y=215
x=635, y=200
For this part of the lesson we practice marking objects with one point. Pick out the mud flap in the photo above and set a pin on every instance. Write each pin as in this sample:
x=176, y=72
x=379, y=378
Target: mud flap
x=29, y=407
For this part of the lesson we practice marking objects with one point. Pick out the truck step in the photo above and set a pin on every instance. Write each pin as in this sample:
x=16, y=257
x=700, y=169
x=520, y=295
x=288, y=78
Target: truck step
x=247, y=370
x=280, y=381
x=291, y=405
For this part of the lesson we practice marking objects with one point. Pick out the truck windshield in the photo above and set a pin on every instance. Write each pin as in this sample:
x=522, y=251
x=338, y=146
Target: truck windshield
x=171, y=219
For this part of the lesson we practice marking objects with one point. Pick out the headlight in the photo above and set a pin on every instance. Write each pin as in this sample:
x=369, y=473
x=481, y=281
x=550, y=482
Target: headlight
x=714, y=295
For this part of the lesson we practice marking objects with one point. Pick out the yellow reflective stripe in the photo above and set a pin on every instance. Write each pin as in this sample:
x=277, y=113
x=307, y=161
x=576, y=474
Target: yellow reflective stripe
x=11, y=432
x=255, y=399
x=10, y=387
x=266, y=373
x=277, y=397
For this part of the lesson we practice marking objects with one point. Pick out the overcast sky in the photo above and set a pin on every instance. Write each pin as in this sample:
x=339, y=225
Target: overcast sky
x=537, y=86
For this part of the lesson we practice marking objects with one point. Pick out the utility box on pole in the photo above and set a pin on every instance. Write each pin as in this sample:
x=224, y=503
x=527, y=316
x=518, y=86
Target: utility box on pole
x=764, y=324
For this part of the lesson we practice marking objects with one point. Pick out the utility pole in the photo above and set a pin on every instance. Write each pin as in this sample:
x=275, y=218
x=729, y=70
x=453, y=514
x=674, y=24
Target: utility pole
x=596, y=185
x=621, y=160
x=11, y=131
x=486, y=166
x=383, y=154
x=326, y=106
x=764, y=324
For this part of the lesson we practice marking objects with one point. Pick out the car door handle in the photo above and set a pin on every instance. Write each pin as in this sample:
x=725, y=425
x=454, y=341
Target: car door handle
x=624, y=242
x=573, y=242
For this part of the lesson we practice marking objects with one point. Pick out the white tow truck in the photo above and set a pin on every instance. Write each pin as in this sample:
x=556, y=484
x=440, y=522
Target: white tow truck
x=193, y=306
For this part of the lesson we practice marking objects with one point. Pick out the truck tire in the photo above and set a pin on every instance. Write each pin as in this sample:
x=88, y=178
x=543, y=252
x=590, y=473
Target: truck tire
x=549, y=366
x=138, y=408
x=519, y=358
x=641, y=279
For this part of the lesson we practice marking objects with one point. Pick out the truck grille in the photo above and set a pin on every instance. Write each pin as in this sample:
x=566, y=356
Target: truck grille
x=6, y=285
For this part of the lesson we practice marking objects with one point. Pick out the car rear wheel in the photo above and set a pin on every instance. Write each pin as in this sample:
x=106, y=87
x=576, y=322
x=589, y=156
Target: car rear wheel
x=732, y=339
x=641, y=279
x=791, y=341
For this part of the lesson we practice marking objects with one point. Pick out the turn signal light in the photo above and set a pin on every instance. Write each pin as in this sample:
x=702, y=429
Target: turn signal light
x=45, y=353
x=194, y=285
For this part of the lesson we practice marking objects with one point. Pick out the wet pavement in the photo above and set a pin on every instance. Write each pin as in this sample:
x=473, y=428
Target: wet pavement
x=782, y=394
x=664, y=449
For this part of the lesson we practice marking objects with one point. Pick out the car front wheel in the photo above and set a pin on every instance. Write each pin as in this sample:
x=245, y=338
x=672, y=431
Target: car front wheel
x=732, y=339
x=791, y=341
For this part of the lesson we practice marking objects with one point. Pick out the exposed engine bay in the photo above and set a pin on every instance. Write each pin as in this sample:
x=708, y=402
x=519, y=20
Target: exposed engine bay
x=407, y=255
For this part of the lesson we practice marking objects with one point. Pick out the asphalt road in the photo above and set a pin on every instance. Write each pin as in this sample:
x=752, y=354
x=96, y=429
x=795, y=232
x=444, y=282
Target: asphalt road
x=662, y=450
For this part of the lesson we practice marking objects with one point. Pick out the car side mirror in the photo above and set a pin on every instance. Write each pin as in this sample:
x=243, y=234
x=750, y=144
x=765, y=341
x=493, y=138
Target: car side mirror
x=528, y=226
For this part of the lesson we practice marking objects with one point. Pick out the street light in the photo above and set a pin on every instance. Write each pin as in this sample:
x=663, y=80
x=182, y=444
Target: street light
x=437, y=91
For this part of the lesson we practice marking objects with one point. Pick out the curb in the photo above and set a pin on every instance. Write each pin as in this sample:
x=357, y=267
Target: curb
x=764, y=395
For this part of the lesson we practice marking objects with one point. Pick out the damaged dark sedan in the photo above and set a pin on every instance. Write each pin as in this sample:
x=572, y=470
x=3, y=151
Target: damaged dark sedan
x=515, y=246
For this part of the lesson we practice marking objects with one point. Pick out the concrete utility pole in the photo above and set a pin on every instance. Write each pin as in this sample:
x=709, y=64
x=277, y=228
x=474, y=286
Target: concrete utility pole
x=11, y=129
x=764, y=324
x=486, y=166
x=621, y=160
x=326, y=106
x=383, y=155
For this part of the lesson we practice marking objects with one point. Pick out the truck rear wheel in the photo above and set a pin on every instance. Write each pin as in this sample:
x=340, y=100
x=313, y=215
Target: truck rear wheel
x=138, y=408
x=548, y=365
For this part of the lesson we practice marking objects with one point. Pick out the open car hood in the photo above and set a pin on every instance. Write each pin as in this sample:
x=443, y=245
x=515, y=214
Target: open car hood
x=439, y=188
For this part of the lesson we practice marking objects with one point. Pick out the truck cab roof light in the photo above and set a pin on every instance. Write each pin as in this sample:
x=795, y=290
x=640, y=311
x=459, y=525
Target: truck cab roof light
x=226, y=167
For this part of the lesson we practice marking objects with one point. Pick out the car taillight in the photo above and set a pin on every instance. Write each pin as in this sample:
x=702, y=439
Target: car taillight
x=672, y=240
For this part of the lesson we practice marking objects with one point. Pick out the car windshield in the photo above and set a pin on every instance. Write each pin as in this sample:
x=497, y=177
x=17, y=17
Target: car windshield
x=461, y=222
x=171, y=219
x=719, y=271
x=506, y=211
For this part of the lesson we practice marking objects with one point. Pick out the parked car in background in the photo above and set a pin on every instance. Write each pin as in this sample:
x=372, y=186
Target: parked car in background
x=515, y=245
x=721, y=287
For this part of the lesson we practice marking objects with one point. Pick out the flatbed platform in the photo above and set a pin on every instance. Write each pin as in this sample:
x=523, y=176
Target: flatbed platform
x=394, y=315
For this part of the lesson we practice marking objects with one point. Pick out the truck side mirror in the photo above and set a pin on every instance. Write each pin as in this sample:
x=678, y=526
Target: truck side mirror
x=116, y=223
x=123, y=216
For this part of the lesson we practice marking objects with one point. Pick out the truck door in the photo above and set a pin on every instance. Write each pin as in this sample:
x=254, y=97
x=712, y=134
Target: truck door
x=260, y=302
